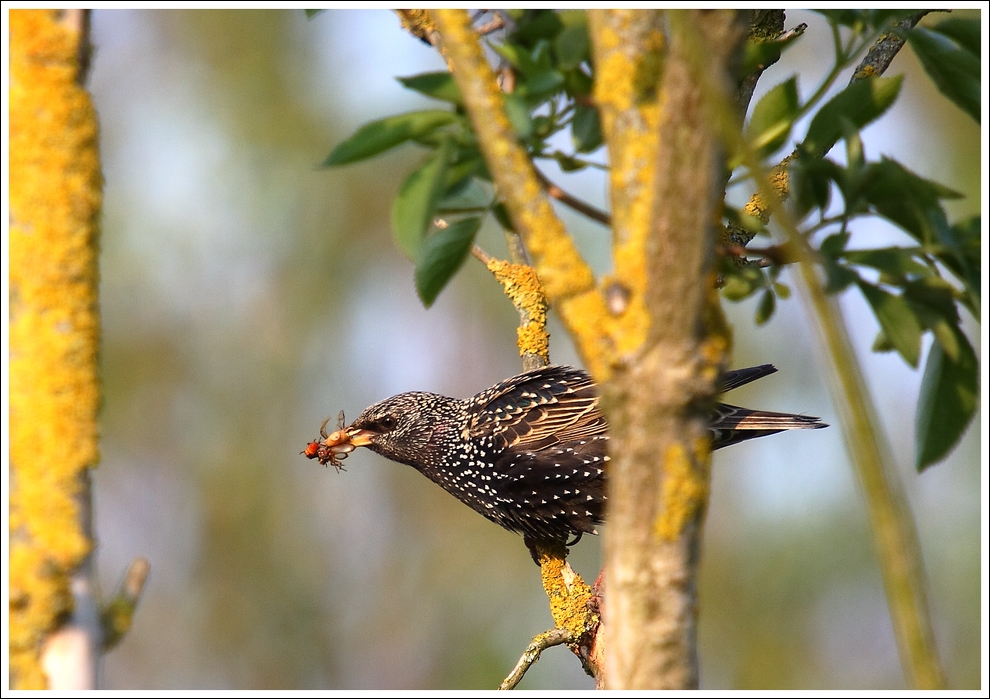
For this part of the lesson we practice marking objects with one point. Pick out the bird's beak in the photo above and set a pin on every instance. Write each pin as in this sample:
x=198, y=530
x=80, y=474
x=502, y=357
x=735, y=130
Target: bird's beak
x=359, y=438
x=347, y=440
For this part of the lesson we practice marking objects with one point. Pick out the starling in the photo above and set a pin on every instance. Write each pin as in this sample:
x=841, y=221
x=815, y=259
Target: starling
x=528, y=453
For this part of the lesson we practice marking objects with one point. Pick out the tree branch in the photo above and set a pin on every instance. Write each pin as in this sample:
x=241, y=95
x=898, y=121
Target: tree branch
x=547, y=639
x=582, y=207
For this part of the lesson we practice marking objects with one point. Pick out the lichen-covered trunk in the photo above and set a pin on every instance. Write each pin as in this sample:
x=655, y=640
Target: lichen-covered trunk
x=659, y=401
x=55, y=196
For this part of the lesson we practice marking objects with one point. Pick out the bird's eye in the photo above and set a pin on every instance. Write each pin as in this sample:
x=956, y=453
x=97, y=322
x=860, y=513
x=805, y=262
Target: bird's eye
x=386, y=423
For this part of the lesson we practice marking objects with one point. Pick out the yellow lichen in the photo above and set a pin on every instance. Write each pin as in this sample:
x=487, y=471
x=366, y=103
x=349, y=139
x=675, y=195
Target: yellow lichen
x=779, y=179
x=867, y=71
x=629, y=50
x=569, y=595
x=416, y=22
x=523, y=288
x=685, y=488
x=55, y=196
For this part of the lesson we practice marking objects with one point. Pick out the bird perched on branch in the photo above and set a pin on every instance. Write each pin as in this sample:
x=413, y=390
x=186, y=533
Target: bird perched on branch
x=529, y=453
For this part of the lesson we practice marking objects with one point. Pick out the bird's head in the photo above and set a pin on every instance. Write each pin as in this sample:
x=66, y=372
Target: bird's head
x=407, y=428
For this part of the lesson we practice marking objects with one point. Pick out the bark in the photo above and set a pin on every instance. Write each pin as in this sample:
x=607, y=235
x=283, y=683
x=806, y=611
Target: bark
x=658, y=402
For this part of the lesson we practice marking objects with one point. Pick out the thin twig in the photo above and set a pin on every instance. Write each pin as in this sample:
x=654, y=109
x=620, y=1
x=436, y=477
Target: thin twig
x=570, y=200
x=493, y=25
x=547, y=639
x=483, y=256
x=880, y=55
x=118, y=615
x=775, y=254
x=791, y=33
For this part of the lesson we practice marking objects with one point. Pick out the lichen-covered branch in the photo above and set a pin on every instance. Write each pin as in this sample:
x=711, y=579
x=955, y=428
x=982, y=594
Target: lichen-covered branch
x=522, y=286
x=567, y=279
x=628, y=50
x=885, y=48
x=765, y=26
x=574, y=608
x=55, y=196
x=658, y=407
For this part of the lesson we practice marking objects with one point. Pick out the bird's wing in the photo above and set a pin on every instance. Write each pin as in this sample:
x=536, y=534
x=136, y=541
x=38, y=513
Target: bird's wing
x=537, y=410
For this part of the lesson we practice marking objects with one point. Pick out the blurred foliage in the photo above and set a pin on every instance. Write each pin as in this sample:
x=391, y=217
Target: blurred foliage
x=246, y=297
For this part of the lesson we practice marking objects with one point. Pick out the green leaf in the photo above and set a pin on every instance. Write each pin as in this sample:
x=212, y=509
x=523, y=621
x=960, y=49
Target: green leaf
x=812, y=182
x=965, y=32
x=758, y=55
x=416, y=203
x=742, y=282
x=908, y=200
x=951, y=65
x=518, y=113
x=773, y=117
x=879, y=17
x=517, y=56
x=468, y=194
x=838, y=276
x=310, y=14
x=881, y=343
x=502, y=216
x=848, y=18
x=893, y=260
x=577, y=82
x=861, y=103
x=540, y=83
x=933, y=301
x=568, y=163
x=440, y=85
x=378, y=136
x=442, y=255
x=586, y=129
x=533, y=25
x=767, y=305
x=897, y=319
x=947, y=402
x=965, y=260
x=834, y=245
x=573, y=45
x=461, y=172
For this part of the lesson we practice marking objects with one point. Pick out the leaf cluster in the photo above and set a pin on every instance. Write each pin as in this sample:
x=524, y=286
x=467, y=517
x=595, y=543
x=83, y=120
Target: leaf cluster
x=546, y=57
x=912, y=289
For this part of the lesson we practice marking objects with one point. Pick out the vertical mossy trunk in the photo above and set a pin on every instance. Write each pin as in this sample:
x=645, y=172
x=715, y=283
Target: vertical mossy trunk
x=55, y=198
x=659, y=400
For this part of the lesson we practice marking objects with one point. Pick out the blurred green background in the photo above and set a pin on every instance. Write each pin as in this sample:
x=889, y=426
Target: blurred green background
x=247, y=295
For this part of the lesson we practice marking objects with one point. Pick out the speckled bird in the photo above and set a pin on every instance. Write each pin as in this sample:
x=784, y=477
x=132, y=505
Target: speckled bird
x=529, y=453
